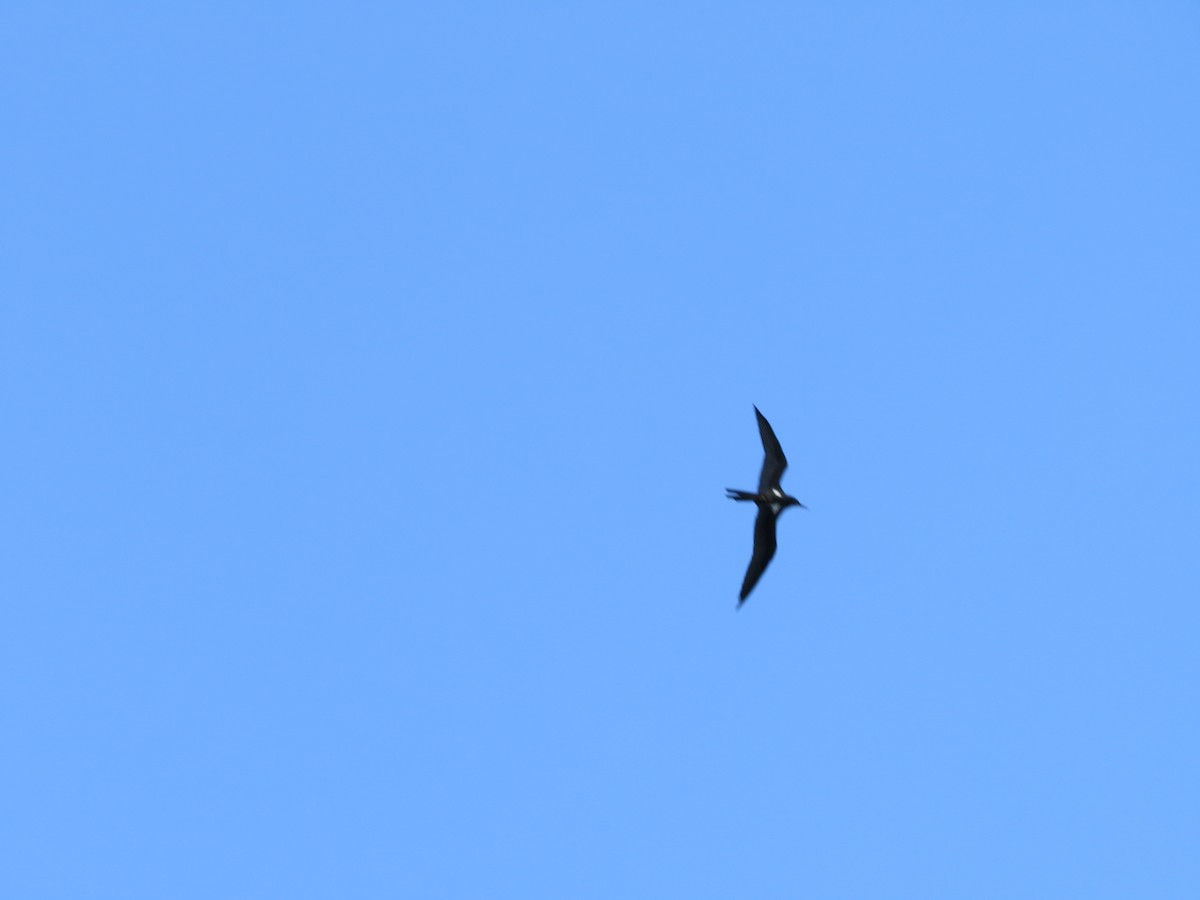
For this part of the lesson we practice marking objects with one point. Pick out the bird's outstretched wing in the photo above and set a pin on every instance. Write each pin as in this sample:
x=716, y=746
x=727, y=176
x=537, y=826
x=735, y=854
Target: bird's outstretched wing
x=774, y=462
x=764, y=549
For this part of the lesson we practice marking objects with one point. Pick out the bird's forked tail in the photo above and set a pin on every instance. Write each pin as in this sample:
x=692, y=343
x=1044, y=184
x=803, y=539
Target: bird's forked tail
x=734, y=494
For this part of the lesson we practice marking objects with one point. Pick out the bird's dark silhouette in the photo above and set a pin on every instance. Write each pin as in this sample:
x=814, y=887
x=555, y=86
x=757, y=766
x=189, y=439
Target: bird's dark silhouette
x=770, y=500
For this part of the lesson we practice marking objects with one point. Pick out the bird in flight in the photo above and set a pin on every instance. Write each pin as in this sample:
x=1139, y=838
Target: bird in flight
x=770, y=500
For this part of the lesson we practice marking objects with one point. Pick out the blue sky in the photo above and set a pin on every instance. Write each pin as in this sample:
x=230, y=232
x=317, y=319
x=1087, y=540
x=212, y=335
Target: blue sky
x=372, y=375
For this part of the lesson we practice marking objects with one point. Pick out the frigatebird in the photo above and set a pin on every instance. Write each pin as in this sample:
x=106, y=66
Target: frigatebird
x=770, y=500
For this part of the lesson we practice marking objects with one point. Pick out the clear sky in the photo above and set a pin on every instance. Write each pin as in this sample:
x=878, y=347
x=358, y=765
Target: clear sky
x=372, y=375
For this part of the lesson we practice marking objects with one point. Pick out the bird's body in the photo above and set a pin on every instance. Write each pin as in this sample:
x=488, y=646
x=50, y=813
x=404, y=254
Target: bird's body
x=771, y=502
